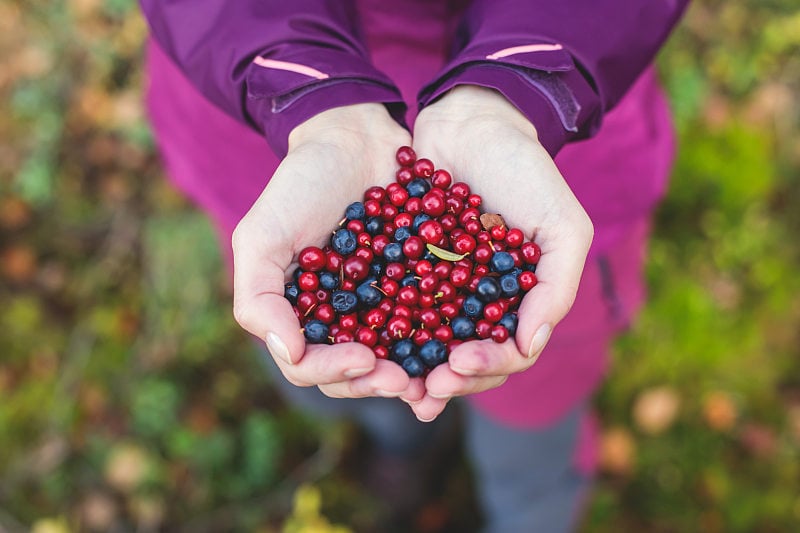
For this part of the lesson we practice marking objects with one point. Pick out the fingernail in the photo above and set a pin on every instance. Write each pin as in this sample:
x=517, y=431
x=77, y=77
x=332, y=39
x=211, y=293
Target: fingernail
x=410, y=402
x=539, y=340
x=463, y=371
x=426, y=419
x=440, y=396
x=357, y=372
x=277, y=347
x=386, y=394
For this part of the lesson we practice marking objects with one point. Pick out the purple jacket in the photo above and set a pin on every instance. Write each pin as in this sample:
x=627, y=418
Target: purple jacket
x=276, y=63
x=270, y=67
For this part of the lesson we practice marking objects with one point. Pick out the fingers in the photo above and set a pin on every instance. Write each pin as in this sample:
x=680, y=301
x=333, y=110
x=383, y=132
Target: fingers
x=386, y=380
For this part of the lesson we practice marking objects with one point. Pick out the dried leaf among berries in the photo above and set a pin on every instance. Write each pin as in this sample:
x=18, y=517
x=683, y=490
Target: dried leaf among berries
x=490, y=220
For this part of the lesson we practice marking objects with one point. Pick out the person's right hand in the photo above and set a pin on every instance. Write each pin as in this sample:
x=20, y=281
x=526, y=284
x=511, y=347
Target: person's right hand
x=333, y=158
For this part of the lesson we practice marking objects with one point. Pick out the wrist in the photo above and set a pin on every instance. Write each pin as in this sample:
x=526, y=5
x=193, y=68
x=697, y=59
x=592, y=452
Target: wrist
x=345, y=125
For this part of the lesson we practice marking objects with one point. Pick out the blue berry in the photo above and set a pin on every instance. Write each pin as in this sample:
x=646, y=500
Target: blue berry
x=355, y=211
x=532, y=267
x=344, y=301
x=509, y=321
x=328, y=280
x=374, y=226
x=409, y=279
x=344, y=241
x=472, y=307
x=316, y=332
x=488, y=289
x=418, y=220
x=290, y=292
x=462, y=327
x=413, y=366
x=393, y=252
x=368, y=295
x=376, y=269
x=433, y=353
x=418, y=187
x=402, y=350
x=401, y=234
x=509, y=285
x=501, y=262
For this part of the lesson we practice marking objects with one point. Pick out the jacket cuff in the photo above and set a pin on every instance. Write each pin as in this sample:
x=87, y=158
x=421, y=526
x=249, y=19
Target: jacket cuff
x=282, y=94
x=540, y=79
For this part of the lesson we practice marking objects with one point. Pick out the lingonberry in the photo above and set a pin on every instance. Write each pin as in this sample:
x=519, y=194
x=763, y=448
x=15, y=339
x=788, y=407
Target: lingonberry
x=306, y=302
x=375, y=318
x=464, y=244
x=375, y=193
x=443, y=333
x=441, y=179
x=348, y=321
x=474, y=200
x=325, y=313
x=413, y=206
x=381, y=352
x=408, y=296
x=311, y=258
x=343, y=336
x=421, y=336
x=379, y=242
x=423, y=268
x=431, y=231
x=514, y=238
x=367, y=255
x=399, y=327
x=531, y=252
x=366, y=336
x=426, y=300
x=483, y=254
x=449, y=310
x=423, y=168
x=388, y=212
x=404, y=176
x=483, y=329
x=527, y=280
x=430, y=318
x=442, y=269
x=356, y=226
x=308, y=281
x=405, y=156
x=372, y=208
x=433, y=204
x=498, y=233
x=413, y=248
x=355, y=268
x=390, y=287
x=493, y=311
x=499, y=333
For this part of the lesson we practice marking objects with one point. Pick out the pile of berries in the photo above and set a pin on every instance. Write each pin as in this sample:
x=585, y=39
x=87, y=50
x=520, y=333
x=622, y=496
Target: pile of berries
x=414, y=270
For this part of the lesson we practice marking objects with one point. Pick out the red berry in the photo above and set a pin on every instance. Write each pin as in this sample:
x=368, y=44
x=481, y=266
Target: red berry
x=312, y=259
x=470, y=213
x=389, y=287
x=499, y=333
x=483, y=237
x=472, y=226
x=433, y=204
x=514, y=238
x=375, y=318
x=442, y=269
x=356, y=226
x=482, y=254
x=379, y=242
x=527, y=280
x=430, y=231
x=449, y=310
x=480, y=270
x=413, y=206
x=448, y=222
x=516, y=255
x=460, y=190
x=306, y=301
x=474, y=200
x=395, y=271
x=426, y=300
x=402, y=310
x=389, y=211
x=325, y=313
x=364, y=253
x=386, y=306
x=464, y=244
x=443, y=334
x=427, y=283
x=343, y=336
x=493, y=312
x=483, y=329
x=460, y=276
x=403, y=220
x=323, y=296
x=366, y=336
x=423, y=267
x=372, y=208
x=423, y=168
x=454, y=205
x=348, y=322
x=399, y=327
x=404, y=176
x=348, y=285
x=414, y=248
x=498, y=233
x=308, y=281
x=421, y=336
x=445, y=292
x=441, y=179
x=381, y=352
x=408, y=295
x=375, y=193
x=356, y=268
x=405, y=156
x=531, y=252
x=430, y=318
x=364, y=239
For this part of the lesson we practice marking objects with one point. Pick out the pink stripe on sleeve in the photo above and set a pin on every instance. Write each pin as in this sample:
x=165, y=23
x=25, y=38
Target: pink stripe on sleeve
x=291, y=67
x=505, y=52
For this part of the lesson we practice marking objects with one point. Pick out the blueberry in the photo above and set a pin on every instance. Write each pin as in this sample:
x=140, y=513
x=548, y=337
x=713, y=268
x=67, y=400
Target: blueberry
x=368, y=295
x=401, y=234
x=393, y=252
x=409, y=279
x=316, y=332
x=374, y=226
x=418, y=187
x=433, y=353
x=344, y=241
x=488, y=289
x=509, y=321
x=376, y=269
x=501, y=262
x=418, y=220
x=296, y=273
x=472, y=307
x=429, y=256
x=344, y=301
x=402, y=350
x=290, y=292
x=413, y=366
x=509, y=285
x=355, y=211
x=328, y=280
x=532, y=267
x=462, y=327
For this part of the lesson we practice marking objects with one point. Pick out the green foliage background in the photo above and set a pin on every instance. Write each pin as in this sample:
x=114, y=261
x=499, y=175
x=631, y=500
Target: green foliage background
x=129, y=399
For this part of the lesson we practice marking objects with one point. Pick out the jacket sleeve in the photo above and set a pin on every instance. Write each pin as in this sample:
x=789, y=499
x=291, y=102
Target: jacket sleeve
x=561, y=63
x=272, y=63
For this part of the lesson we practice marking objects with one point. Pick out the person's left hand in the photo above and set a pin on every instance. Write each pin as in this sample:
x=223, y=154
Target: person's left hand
x=485, y=141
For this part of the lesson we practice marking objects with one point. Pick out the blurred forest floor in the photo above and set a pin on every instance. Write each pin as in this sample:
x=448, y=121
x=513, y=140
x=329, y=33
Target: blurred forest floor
x=130, y=401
